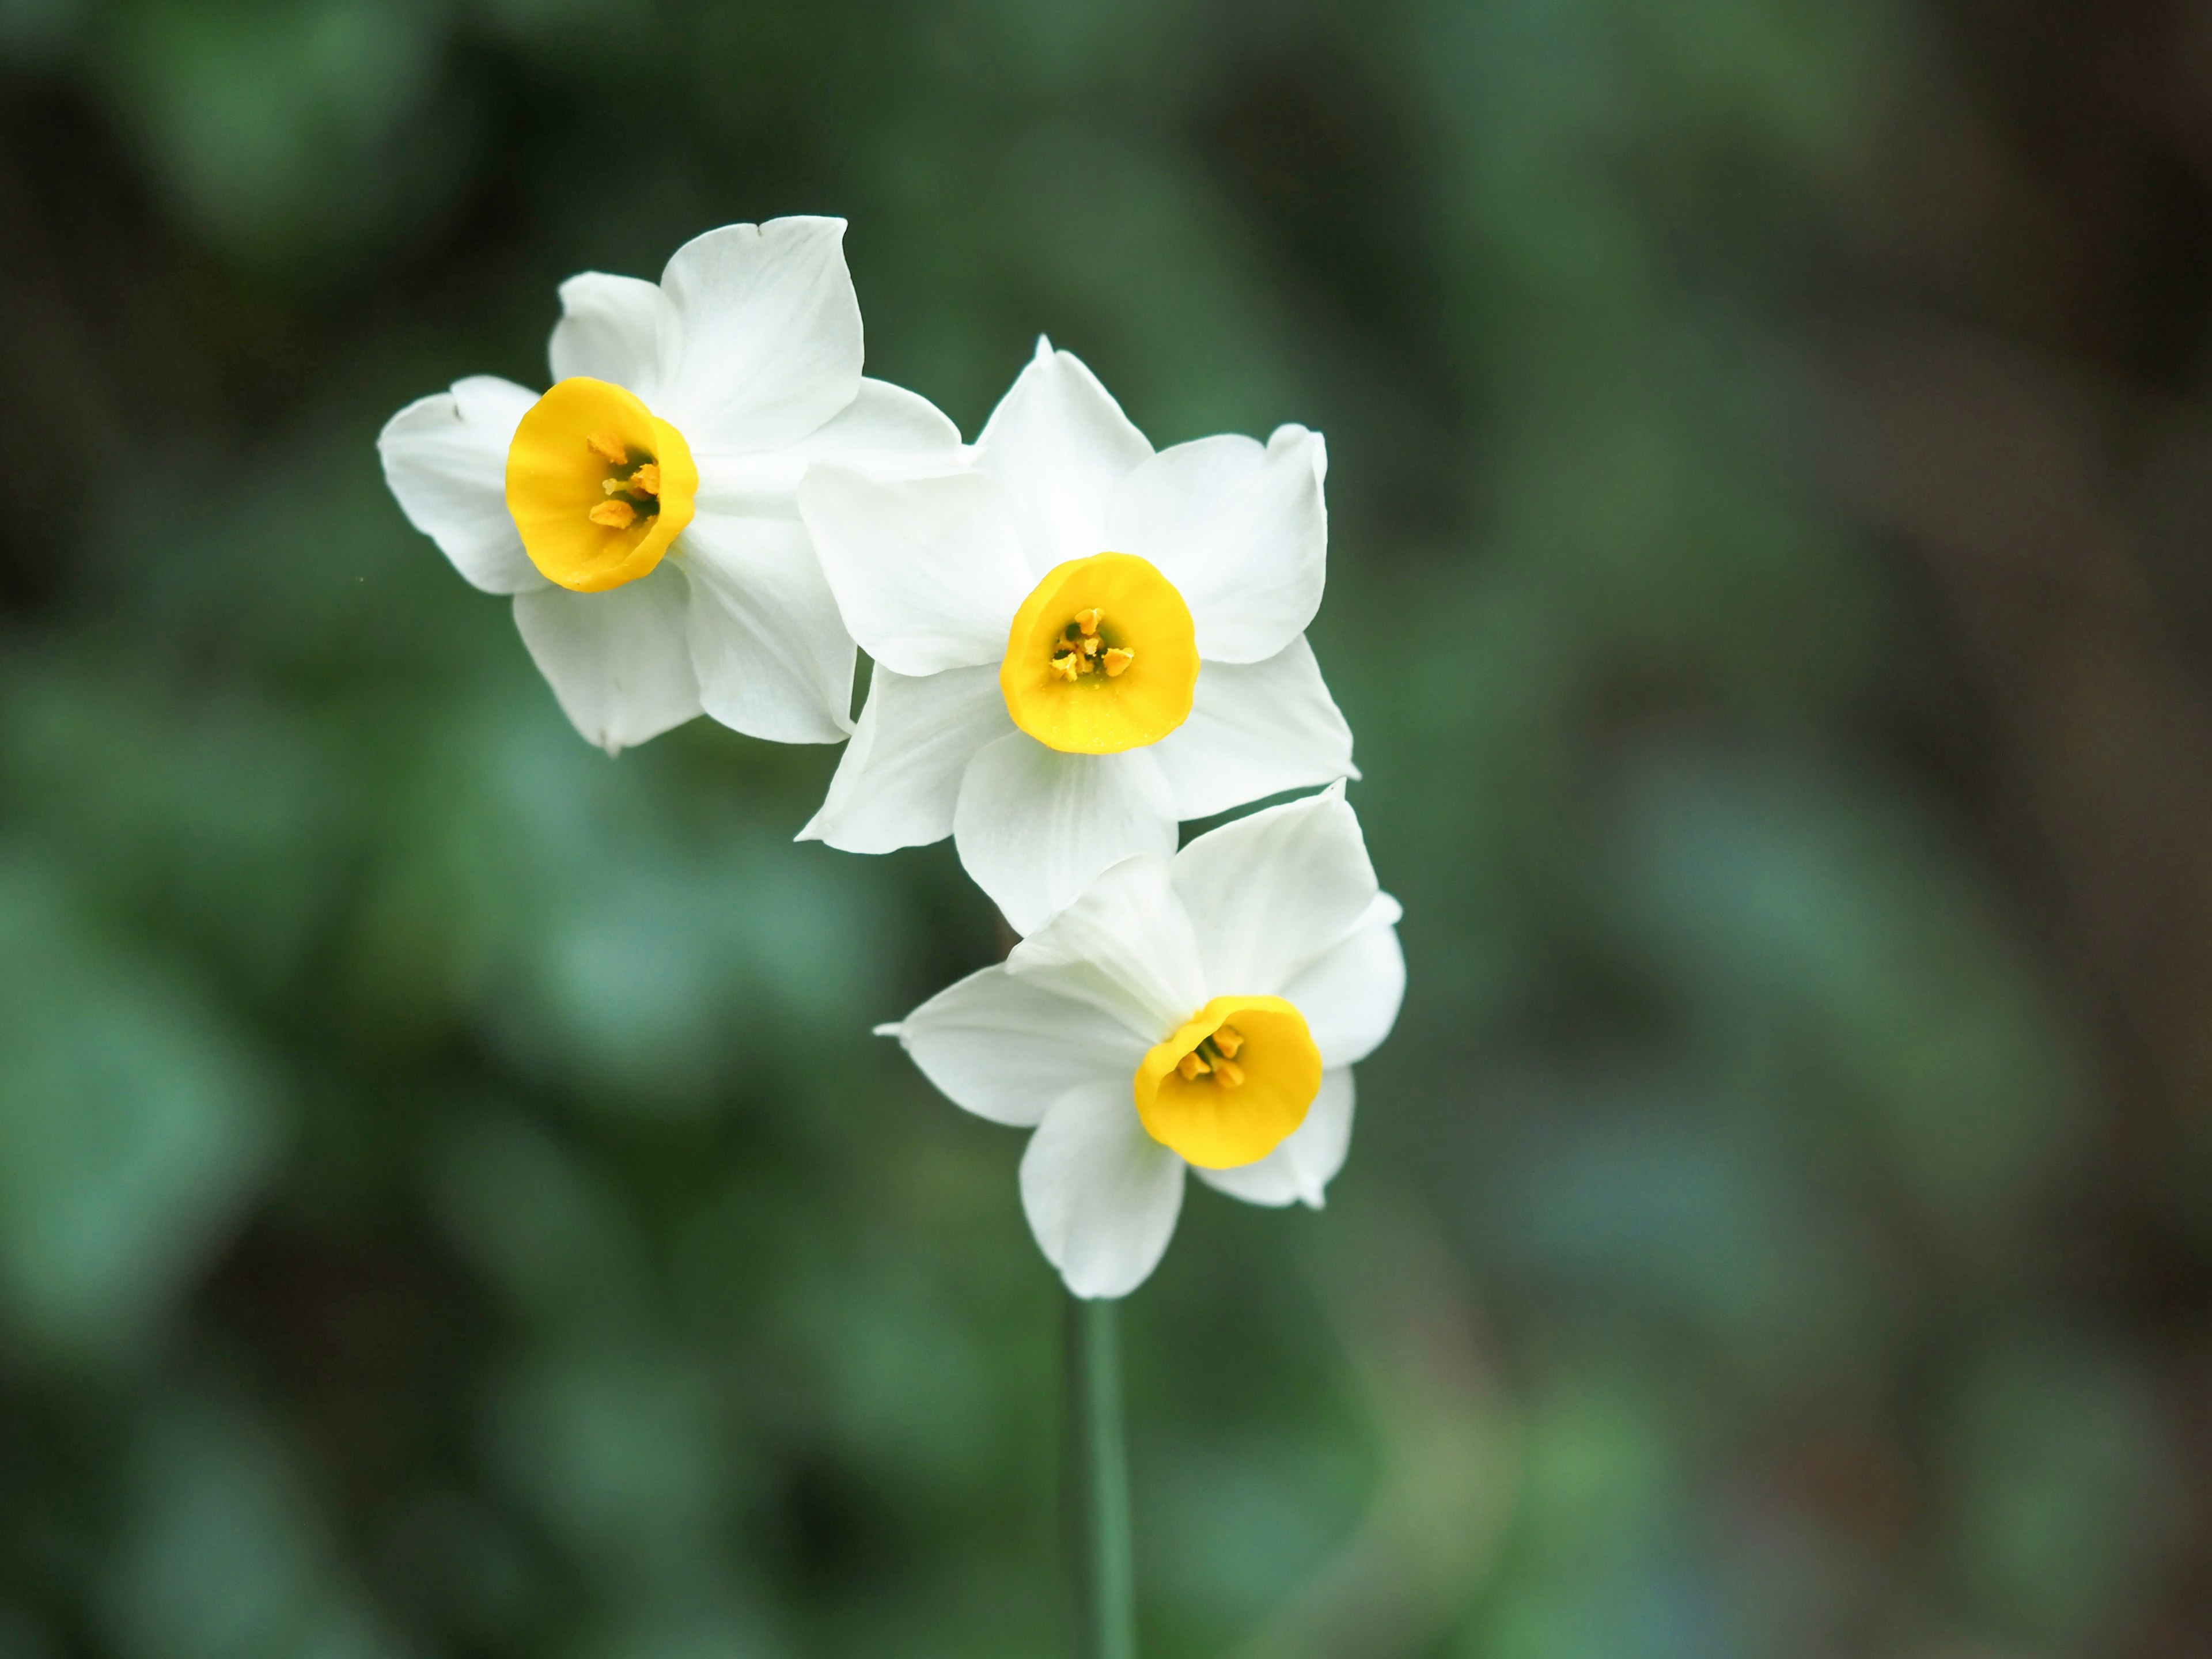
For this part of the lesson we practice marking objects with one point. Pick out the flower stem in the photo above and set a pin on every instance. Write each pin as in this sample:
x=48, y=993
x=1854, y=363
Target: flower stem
x=1101, y=1554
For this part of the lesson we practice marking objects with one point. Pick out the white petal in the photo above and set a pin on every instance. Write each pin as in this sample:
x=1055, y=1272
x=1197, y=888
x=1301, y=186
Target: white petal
x=1299, y=1170
x=1255, y=729
x=762, y=339
x=444, y=457
x=610, y=329
x=774, y=661
x=1006, y=1047
x=887, y=429
x=1101, y=1194
x=1269, y=893
x=1240, y=531
x=1034, y=825
x=898, y=779
x=1351, y=993
x=1061, y=446
x=926, y=570
x=886, y=432
x=618, y=661
x=1126, y=947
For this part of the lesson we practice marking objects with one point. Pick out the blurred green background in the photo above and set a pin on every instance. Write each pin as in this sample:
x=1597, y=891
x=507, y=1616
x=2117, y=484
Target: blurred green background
x=450, y=1203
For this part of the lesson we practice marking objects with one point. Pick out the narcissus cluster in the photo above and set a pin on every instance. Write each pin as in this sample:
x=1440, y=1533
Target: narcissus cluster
x=1078, y=643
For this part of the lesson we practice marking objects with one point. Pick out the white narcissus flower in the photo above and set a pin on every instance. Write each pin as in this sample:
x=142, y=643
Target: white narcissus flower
x=642, y=512
x=1201, y=1012
x=1078, y=642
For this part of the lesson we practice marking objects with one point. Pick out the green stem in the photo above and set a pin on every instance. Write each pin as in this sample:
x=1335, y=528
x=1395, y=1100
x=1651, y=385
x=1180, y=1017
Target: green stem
x=1101, y=1554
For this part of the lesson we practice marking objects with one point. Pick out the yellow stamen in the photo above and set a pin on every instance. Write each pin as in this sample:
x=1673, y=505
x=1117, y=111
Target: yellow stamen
x=1091, y=646
x=1067, y=665
x=646, y=481
x=1117, y=659
x=1229, y=1040
x=607, y=445
x=1228, y=1074
x=616, y=515
x=1088, y=621
x=1192, y=1068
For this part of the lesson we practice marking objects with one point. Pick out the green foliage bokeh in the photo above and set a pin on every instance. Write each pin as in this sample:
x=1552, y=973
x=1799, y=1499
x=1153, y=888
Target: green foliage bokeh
x=450, y=1202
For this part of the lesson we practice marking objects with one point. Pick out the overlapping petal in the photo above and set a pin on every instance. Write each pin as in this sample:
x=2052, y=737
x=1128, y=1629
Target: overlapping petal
x=1255, y=729
x=618, y=661
x=1269, y=893
x=445, y=458
x=610, y=329
x=926, y=571
x=1299, y=1170
x=1034, y=825
x=1241, y=530
x=886, y=431
x=899, y=777
x=761, y=341
x=1005, y=1046
x=772, y=656
x=1124, y=946
x=1060, y=446
x=1351, y=993
x=1101, y=1194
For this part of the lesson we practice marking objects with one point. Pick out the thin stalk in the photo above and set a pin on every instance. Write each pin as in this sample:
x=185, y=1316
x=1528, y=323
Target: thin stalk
x=1102, y=1556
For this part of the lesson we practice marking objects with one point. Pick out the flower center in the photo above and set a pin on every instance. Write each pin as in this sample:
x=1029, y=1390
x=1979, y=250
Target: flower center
x=598, y=485
x=1233, y=1081
x=1101, y=657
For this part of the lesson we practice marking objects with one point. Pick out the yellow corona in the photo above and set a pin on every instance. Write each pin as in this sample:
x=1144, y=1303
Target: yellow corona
x=598, y=485
x=1101, y=657
x=1231, y=1084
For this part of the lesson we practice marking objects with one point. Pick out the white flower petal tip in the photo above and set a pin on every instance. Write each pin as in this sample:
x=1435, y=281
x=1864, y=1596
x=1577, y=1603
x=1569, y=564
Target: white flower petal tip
x=617, y=661
x=890, y=1028
x=1291, y=435
x=1102, y=1196
x=1058, y=446
x=772, y=656
x=1272, y=929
